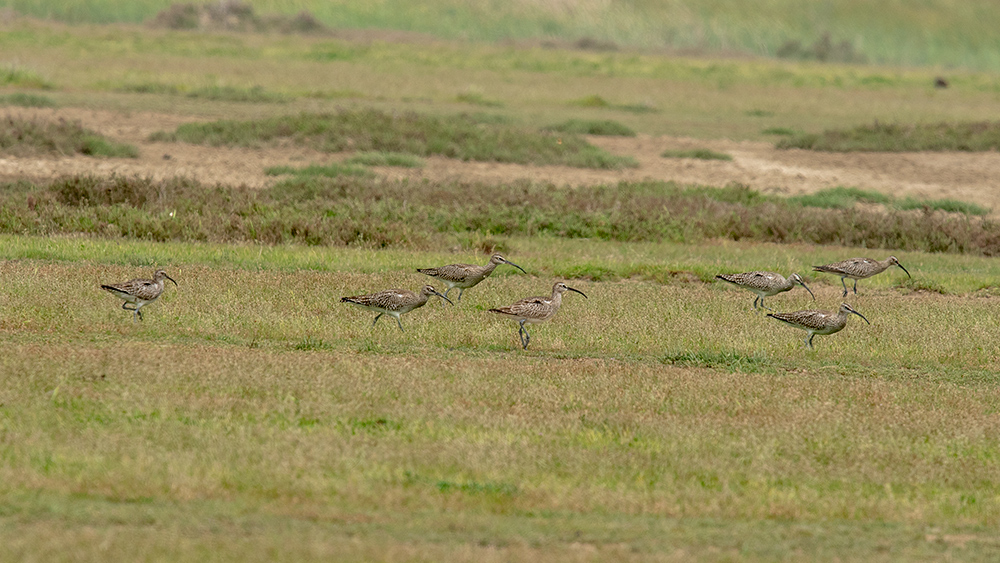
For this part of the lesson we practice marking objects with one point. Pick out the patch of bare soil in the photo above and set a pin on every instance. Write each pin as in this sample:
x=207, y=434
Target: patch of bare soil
x=963, y=176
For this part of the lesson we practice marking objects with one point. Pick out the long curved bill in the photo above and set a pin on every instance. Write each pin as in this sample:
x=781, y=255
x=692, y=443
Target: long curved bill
x=809, y=290
x=860, y=315
x=441, y=295
x=578, y=291
x=171, y=279
x=905, y=270
x=513, y=264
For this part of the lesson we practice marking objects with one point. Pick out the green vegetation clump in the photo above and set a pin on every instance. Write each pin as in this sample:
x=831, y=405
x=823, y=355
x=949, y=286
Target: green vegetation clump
x=368, y=211
x=332, y=170
x=595, y=101
x=255, y=94
x=28, y=137
x=478, y=100
x=891, y=137
x=459, y=136
x=780, y=131
x=149, y=88
x=27, y=100
x=14, y=75
x=845, y=198
x=592, y=127
x=840, y=198
x=703, y=154
x=380, y=158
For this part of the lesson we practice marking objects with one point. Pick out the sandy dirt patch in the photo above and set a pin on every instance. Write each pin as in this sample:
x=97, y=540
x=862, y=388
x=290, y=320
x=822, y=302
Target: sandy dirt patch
x=963, y=176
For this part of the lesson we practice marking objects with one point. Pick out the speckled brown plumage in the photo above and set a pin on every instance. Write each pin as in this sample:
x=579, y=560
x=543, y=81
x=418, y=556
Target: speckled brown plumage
x=818, y=322
x=764, y=284
x=394, y=302
x=859, y=269
x=139, y=292
x=535, y=310
x=464, y=276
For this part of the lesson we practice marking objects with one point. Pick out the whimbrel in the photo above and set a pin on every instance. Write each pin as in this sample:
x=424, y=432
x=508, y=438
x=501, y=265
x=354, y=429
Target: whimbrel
x=464, y=276
x=394, y=302
x=139, y=292
x=764, y=284
x=818, y=322
x=859, y=269
x=535, y=310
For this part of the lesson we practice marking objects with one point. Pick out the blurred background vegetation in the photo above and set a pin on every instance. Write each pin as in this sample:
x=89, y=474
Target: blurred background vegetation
x=945, y=33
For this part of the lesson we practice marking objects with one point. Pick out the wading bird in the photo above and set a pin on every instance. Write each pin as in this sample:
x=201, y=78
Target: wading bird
x=818, y=322
x=464, y=276
x=393, y=302
x=535, y=310
x=859, y=269
x=764, y=284
x=139, y=292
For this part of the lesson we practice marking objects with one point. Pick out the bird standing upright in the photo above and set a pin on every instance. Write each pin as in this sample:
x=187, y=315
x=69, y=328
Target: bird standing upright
x=535, y=310
x=859, y=269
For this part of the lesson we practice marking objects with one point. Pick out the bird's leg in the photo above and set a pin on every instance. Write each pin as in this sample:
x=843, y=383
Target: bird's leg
x=399, y=323
x=763, y=305
x=855, y=288
x=377, y=317
x=446, y=292
x=755, y=299
x=461, y=290
x=526, y=338
x=845, y=285
x=810, y=341
x=126, y=308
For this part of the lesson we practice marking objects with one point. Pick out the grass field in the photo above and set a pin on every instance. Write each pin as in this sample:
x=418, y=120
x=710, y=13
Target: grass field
x=252, y=416
x=943, y=33
x=249, y=76
x=647, y=419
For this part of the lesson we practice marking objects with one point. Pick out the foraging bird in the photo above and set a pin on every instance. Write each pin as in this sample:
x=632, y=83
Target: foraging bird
x=818, y=322
x=139, y=292
x=859, y=269
x=393, y=302
x=535, y=310
x=464, y=276
x=764, y=284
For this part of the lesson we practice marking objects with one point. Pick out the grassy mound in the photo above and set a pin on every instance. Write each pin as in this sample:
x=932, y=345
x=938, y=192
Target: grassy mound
x=32, y=137
x=592, y=127
x=844, y=198
x=702, y=154
x=460, y=136
x=27, y=100
x=894, y=137
x=353, y=210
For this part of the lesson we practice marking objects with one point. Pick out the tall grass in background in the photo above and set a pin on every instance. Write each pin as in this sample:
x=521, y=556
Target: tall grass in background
x=934, y=32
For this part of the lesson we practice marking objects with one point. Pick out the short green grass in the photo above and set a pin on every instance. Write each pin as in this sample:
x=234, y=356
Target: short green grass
x=645, y=419
x=648, y=92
